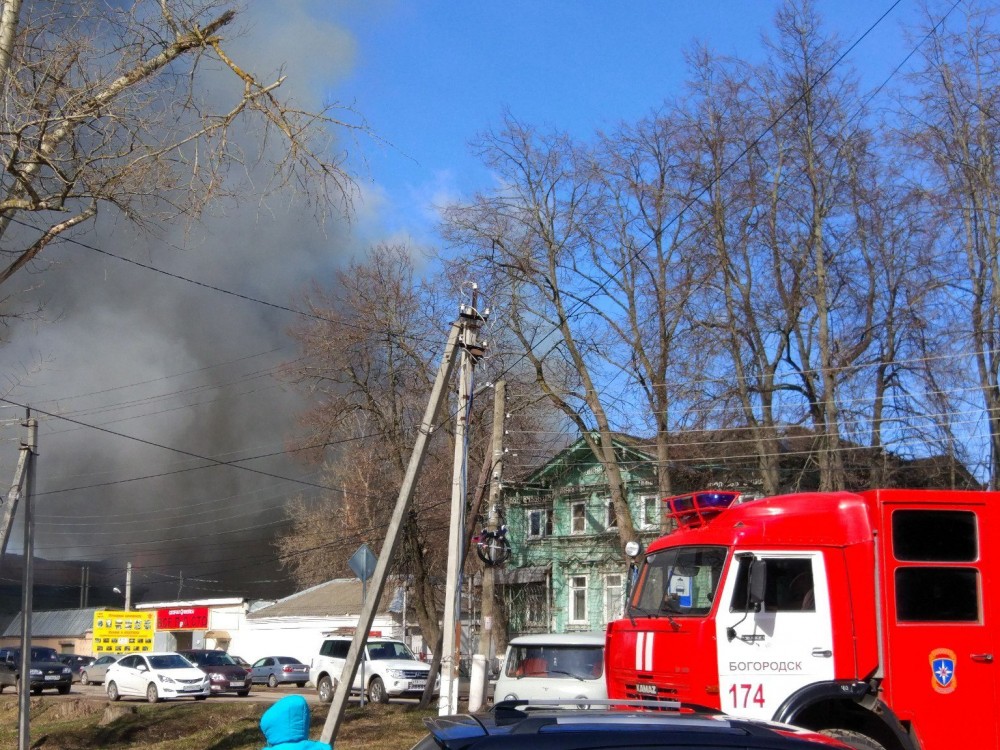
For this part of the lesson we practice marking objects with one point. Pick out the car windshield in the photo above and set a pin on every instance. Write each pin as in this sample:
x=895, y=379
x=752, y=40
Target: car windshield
x=219, y=659
x=389, y=650
x=168, y=661
x=678, y=581
x=555, y=661
x=44, y=654
x=287, y=660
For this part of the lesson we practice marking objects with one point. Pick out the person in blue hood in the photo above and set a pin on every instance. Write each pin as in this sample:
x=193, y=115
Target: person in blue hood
x=286, y=725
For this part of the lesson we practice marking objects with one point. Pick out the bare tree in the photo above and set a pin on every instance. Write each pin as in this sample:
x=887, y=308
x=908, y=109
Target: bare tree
x=368, y=362
x=952, y=131
x=114, y=106
x=531, y=241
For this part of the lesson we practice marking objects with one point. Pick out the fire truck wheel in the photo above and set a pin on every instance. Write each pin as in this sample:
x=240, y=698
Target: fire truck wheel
x=853, y=739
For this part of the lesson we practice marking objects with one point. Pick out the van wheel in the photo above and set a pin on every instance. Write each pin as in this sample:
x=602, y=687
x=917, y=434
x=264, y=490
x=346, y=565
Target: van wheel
x=853, y=739
x=377, y=692
x=325, y=689
x=113, y=691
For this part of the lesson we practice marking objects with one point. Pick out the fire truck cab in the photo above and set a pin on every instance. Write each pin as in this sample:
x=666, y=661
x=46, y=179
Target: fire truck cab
x=862, y=615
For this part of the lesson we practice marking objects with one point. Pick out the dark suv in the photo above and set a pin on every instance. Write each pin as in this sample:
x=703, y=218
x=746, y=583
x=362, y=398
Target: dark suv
x=46, y=672
x=225, y=675
x=616, y=725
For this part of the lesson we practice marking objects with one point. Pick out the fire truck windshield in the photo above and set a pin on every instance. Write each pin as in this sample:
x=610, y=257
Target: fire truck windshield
x=678, y=581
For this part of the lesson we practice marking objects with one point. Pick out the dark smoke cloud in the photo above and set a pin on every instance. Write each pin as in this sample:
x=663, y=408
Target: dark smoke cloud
x=153, y=357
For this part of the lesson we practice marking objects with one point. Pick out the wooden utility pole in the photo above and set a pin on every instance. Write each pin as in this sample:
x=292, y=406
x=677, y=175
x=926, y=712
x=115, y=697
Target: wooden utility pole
x=393, y=534
x=452, y=626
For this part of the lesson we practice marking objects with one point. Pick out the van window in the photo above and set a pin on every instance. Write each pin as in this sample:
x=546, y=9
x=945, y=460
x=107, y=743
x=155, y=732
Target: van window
x=556, y=661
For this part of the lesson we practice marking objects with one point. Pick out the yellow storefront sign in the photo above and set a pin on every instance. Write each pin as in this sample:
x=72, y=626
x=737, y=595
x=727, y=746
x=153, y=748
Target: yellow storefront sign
x=120, y=632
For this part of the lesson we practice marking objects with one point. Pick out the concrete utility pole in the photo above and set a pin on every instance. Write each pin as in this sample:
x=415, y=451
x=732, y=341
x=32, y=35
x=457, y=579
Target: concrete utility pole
x=128, y=586
x=27, y=584
x=452, y=644
x=10, y=507
x=393, y=534
x=481, y=672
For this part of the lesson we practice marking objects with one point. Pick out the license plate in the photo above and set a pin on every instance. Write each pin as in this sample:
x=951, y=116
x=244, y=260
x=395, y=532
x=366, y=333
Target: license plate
x=51, y=677
x=191, y=689
x=237, y=683
x=418, y=684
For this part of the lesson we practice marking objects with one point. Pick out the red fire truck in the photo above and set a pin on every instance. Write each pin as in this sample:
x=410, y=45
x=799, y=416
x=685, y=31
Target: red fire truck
x=865, y=616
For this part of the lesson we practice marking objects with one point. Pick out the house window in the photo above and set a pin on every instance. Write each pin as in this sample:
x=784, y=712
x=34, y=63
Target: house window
x=578, y=522
x=611, y=520
x=539, y=523
x=613, y=596
x=578, y=599
x=650, y=517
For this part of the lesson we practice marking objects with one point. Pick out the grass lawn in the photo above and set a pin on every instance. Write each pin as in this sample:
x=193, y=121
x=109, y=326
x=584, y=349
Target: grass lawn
x=83, y=725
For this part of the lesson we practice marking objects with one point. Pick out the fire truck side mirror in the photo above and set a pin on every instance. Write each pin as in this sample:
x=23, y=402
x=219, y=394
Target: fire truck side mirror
x=758, y=583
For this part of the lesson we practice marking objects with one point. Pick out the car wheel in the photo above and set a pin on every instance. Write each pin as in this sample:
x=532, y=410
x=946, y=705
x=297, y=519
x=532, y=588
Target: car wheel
x=84, y=678
x=63, y=689
x=853, y=739
x=300, y=684
x=272, y=681
x=113, y=691
x=200, y=697
x=243, y=693
x=325, y=690
x=377, y=692
x=151, y=693
x=36, y=691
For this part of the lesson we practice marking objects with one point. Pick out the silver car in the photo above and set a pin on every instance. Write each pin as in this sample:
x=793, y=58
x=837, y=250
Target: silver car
x=275, y=670
x=93, y=674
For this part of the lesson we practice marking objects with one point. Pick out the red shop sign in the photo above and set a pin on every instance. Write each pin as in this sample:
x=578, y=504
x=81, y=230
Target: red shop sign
x=182, y=618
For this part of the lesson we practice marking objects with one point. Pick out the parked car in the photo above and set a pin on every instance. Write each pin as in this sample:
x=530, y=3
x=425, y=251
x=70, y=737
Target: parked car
x=154, y=676
x=275, y=670
x=46, y=672
x=225, y=675
x=93, y=673
x=515, y=725
x=76, y=663
x=553, y=665
x=390, y=669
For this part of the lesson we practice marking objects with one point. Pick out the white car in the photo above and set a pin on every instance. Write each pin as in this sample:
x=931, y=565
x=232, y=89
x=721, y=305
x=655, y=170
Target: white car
x=94, y=672
x=390, y=669
x=154, y=676
x=553, y=666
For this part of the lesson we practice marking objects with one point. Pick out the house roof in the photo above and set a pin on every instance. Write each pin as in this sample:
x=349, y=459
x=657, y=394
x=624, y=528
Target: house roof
x=340, y=597
x=55, y=623
x=578, y=451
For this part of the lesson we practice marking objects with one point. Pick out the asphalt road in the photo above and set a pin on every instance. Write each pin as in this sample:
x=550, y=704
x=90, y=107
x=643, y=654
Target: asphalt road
x=259, y=694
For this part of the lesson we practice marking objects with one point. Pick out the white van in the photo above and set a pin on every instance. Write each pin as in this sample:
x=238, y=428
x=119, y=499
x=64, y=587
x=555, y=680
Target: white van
x=553, y=666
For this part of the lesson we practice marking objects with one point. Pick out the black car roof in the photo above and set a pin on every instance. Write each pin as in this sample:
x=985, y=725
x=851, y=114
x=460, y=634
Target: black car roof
x=621, y=724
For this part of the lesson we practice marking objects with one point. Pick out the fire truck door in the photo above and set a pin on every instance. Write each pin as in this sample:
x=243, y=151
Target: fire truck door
x=766, y=655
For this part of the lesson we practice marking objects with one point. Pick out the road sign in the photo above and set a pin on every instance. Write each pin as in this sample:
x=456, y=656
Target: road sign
x=363, y=562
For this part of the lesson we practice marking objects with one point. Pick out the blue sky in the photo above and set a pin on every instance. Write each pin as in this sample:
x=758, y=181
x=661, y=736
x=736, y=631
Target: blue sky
x=430, y=75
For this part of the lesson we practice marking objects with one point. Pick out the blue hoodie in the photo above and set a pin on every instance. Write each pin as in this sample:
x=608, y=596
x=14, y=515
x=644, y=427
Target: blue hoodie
x=286, y=725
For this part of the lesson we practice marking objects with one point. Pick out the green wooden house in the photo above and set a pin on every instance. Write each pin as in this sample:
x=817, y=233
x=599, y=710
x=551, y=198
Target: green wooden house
x=567, y=570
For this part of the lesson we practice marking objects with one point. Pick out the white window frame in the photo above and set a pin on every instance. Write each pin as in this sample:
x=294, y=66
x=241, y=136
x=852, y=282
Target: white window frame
x=582, y=518
x=611, y=520
x=577, y=584
x=614, y=597
x=544, y=514
x=647, y=522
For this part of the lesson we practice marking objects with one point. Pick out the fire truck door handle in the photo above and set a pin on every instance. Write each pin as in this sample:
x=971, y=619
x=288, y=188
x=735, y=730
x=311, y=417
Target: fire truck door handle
x=985, y=658
x=824, y=652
